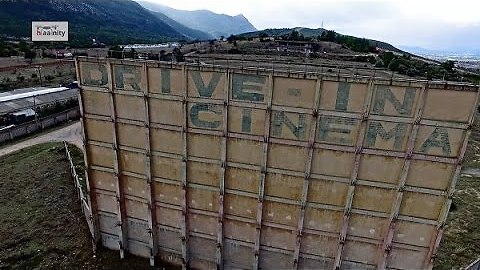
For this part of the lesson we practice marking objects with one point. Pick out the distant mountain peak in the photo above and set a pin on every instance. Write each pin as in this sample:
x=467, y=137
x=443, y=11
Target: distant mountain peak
x=207, y=21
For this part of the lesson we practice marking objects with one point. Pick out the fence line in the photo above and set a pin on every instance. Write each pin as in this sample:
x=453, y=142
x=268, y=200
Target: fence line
x=39, y=124
x=81, y=196
x=474, y=266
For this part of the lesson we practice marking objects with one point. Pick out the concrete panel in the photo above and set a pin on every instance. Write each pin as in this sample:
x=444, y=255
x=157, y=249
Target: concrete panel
x=439, y=141
x=338, y=130
x=166, y=112
x=246, y=120
x=380, y=169
x=132, y=161
x=327, y=192
x=275, y=260
x=133, y=107
x=168, y=168
x=96, y=103
x=429, y=174
x=202, y=199
x=106, y=203
x=290, y=126
x=100, y=131
x=128, y=78
x=206, y=84
x=168, y=193
x=278, y=238
x=343, y=96
x=100, y=156
x=294, y=92
x=287, y=157
x=238, y=230
x=368, y=226
x=240, y=206
x=244, y=151
x=166, y=141
x=323, y=246
x=293, y=186
x=414, y=233
x=204, y=146
x=136, y=209
x=93, y=74
x=323, y=220
x=203, y=174
x=242, y=179
x=431, y=205
x=333, y=163
x=108, y=223
x=138, y=230
x=203, y=224
x=168, y=217
x=395, y=100
x=103, y=180
x=360, y=252
x=449, y=105
x=368, y=198
x=135, y=186
x=280, y=213
x=238, y=256
x=165, y=81
x=130, y=135
x=169, y=239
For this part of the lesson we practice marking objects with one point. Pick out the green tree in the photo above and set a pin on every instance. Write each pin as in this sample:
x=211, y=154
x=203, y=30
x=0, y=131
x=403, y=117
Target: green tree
x=30, y=55
x=178, y=55
x=387, y=57
x=448, y=65
x=231, y=38
x=115, y=52
x=294, y=35
x=328, y=35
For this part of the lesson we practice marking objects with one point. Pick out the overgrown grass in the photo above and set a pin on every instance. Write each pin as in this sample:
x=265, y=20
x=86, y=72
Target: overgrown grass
x=41, y=223
x=460, y=245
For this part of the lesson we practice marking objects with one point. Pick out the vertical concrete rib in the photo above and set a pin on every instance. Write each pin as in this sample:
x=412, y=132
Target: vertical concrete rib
x=91, y=196
x=150, y=192
x=261, y=185
x=353, y=177
x=387, y=241
x=184, y=226
x=223, y=159
x=308, y=171
x=120, y=198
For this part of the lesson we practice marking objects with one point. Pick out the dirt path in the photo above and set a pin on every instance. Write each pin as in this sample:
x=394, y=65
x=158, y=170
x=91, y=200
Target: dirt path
x=71, y=133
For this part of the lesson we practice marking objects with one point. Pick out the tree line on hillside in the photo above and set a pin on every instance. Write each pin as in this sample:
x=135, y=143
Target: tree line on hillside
x=119, y=52
x=407, y=65
x=353, y=43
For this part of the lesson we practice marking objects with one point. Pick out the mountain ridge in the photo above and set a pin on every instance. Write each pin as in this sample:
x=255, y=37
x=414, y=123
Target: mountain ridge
x=114, y=21
x=204, y=20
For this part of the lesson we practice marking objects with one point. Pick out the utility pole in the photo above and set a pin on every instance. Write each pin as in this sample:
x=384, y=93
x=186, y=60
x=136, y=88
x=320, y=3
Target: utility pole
x=39, y=69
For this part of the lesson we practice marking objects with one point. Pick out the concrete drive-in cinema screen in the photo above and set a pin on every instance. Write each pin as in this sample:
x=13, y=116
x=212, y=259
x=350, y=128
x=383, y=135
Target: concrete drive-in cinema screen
x=214, y=167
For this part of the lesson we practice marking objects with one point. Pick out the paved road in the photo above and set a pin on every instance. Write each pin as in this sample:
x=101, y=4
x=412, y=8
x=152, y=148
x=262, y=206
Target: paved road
x=71, y=133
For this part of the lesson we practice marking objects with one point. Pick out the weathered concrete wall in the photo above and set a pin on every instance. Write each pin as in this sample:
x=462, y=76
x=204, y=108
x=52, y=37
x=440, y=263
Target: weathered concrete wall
x=210, y=167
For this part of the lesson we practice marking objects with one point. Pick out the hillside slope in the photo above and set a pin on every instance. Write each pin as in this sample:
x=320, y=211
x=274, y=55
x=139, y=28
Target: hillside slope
x=313, y=33
x=186, y=31
x=204, y=20
x=109, y=21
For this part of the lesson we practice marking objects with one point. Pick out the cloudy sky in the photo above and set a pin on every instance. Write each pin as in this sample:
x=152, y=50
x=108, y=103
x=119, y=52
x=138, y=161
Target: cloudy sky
x=440, y=25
